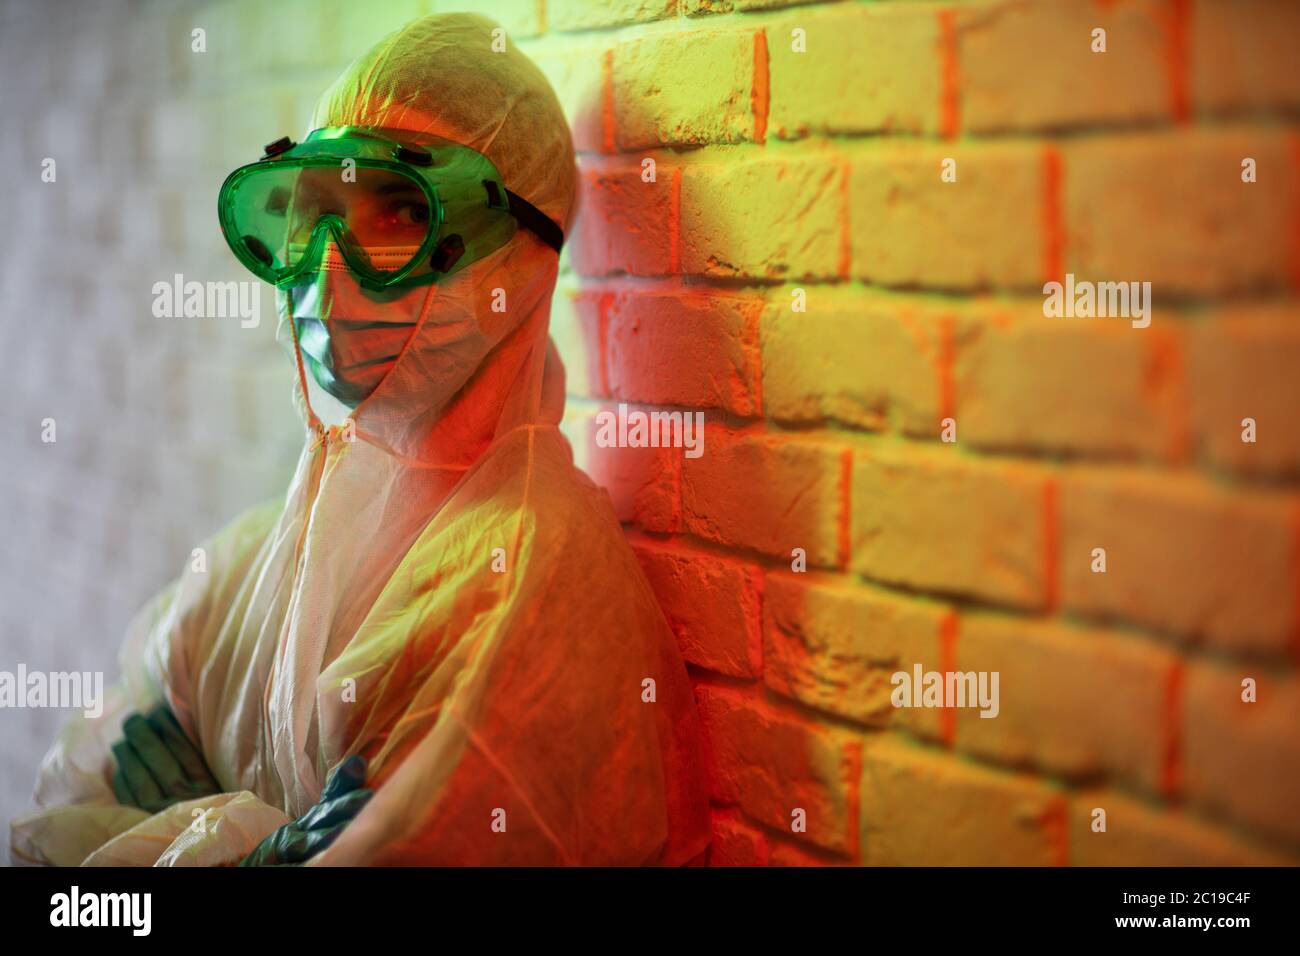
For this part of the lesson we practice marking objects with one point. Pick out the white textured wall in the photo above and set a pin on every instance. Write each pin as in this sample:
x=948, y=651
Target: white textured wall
x=166, y=428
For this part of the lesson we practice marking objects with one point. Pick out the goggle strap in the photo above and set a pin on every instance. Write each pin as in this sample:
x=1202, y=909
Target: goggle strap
x=536, y=221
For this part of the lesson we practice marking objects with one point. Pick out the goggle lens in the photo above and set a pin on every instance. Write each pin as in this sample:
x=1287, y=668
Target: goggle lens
x=276, y=209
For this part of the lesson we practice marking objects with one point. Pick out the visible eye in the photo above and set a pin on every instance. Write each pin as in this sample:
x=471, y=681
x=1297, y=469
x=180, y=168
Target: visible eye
x=413, y=214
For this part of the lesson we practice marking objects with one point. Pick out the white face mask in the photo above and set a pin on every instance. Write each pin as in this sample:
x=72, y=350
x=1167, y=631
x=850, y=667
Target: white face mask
x=351, y=337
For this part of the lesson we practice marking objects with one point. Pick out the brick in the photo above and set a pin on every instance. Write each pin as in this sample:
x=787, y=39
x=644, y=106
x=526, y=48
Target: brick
x=922, y=808
x=770, y=764
x=1083, y=704
x=1098, y=386
x=1030, y=65
x=685, y=348
x=1243, y=365
x=713, y=605
x=890, y=52
x=685, y=89
x=767, y=493
x=1139, y=833
x=1244, y=55
x=694, y=8
x=835, y=647
x=781, y=853
x=748, y=214
x=935, y=520
x=982, y=231
x=1240, y=760
x=867, y=360
x=735, y=843
x=585, y=15
x=643, y=483
x=1170, y=208
x=621, y=226
x=1183, y=556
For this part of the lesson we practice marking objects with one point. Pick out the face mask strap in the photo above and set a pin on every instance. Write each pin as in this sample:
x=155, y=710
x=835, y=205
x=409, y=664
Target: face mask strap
x=312, y=421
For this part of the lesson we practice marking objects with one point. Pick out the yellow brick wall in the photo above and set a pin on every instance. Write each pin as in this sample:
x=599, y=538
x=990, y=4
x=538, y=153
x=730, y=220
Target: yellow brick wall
x=819, y=171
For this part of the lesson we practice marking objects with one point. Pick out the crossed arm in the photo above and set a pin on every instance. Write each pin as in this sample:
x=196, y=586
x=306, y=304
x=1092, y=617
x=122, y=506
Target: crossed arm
x=158, y=766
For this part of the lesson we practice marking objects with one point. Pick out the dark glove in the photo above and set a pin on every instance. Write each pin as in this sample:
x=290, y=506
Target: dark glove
x=157, y=765
x=299, y=841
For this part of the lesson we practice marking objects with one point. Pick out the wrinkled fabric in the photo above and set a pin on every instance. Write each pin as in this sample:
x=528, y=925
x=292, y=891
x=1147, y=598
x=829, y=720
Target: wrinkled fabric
x=202, y=832
x=446, y=595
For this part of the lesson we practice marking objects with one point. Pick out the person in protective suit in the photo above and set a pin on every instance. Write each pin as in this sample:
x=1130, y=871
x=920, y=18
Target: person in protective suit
x=438, y=647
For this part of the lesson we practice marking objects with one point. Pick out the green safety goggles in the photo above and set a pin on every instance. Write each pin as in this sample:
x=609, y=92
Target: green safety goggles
x=403, y=209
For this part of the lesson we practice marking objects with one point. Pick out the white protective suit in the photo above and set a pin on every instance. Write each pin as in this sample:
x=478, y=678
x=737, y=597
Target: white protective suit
x=362, y=614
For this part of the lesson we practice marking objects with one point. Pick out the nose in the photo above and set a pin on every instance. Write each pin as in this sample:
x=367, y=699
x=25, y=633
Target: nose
x=331, y=254
x=325, y=275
